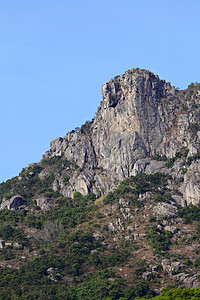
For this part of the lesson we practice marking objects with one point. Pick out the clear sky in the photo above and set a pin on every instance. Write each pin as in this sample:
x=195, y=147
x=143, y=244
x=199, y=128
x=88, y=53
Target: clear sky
x=56, y=54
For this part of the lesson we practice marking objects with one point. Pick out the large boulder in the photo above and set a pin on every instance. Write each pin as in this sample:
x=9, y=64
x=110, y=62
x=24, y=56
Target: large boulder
x=165, y=209
x=44, y=203
x=13, y=203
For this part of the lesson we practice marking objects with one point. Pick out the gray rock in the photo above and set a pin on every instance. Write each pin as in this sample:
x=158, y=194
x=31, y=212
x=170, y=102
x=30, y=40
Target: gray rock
x=140, y=166
x=191, y=185
x=139, y=116
x=98, y=236
x=51, y=270
x=172, y=229
x=13, y=203
x=146, y=275
x=165, y=209
x=17, y=245
x=124, y=202
x=189, y=281
x=128, y=128
x=170, y=267
x=8, y=244
x=154, y=167
x=44, y=203
x=165, y=263
x=139, y=235
x=179, y=200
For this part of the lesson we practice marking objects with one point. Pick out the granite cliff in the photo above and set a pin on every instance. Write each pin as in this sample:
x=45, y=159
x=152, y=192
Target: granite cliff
x=139, y=117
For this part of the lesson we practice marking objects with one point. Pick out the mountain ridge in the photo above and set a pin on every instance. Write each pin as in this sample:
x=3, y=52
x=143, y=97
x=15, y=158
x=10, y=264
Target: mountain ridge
x=112, y=209
x=139, y=117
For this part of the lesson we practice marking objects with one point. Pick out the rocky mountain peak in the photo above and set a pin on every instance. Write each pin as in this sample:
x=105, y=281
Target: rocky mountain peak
x=122, y=190
x=140, y=116
x=133, y=82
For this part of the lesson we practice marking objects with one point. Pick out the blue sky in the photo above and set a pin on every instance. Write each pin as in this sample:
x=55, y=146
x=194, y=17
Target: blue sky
x=55, y=56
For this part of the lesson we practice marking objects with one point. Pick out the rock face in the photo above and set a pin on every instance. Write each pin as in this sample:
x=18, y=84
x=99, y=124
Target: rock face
x=131, y=120
x=13, y=203
x=139, y=117
x=191, y=186
x=44, y=203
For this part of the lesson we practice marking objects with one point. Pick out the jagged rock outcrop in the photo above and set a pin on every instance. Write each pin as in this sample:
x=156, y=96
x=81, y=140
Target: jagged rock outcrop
x=139, y=117
x=188, y=280
x=191, y=185
x=133, y=117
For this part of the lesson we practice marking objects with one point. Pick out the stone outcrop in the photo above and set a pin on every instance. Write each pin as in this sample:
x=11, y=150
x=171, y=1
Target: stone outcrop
x=170, y=267
x=191, y=185
x=13, y=203
x=44, y=203
x=165, y=209
x=188, y=280
x=131, y=121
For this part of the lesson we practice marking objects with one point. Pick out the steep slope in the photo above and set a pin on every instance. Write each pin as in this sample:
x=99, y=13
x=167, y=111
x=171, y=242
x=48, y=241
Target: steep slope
x=140, y=116
x=70, y=228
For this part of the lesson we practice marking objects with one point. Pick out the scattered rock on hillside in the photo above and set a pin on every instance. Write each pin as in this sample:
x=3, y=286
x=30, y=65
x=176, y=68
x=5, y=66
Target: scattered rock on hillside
x=189, y=281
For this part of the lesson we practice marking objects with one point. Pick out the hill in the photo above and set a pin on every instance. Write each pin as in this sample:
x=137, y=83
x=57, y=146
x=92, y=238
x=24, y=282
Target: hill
x=112, y=209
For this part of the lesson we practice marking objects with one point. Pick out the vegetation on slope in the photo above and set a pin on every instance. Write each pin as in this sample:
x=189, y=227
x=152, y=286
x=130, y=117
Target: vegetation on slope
x=83, y=249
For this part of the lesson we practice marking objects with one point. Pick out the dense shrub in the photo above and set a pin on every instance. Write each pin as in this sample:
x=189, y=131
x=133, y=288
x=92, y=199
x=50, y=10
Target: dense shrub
x=189, y=213
x=160, y=239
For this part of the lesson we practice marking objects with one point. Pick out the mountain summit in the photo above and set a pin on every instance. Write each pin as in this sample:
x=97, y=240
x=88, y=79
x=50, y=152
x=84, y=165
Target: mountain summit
x=139, y=117
x=112, y=209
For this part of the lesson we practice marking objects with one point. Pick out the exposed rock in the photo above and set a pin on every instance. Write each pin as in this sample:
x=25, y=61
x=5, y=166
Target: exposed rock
x=172, y=229
x=116, y=225
x=124, y=202
x=43, y=174
x=179, y=200
x=44, y=203
x=160, y=227
x=124, y=129
x=98, y=236
x=13, y=203
x=51, y=270
x=140, y=166
x=139, y=117
x=53, y=274
x=139, y=235
x=146, y=275
x=137, y=111
x=154, y=167
x=189, y=281
x=8, y=244
x=191, y=185
x=165, y=209
x=170, y=267
x=166, y=265
x=2, y=244
x=189, y=248
x=17, y=245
